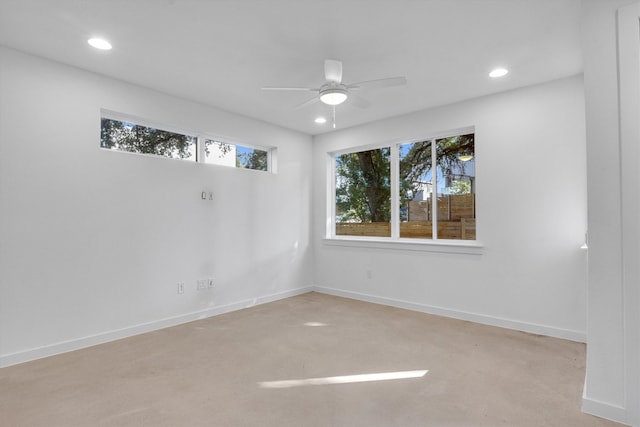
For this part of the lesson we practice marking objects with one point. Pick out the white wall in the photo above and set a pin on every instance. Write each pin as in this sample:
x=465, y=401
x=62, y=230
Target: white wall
x=531, y=209
x=611, y=388
x=93, y=242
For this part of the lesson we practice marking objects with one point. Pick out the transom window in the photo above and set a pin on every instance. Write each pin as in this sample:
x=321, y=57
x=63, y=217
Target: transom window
x=134, y=138
x=123, y=134
x=223, y=153
x=414, y=190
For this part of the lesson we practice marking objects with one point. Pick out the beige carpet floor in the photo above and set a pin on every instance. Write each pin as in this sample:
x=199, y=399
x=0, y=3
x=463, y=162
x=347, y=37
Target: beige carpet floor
x=307, y=361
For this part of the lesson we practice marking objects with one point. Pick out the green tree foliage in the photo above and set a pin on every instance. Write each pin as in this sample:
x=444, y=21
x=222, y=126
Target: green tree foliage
x=142, y=139
x=363, y=191
x=255, y=159
x=460, y=187
x=223, y=147
x=363, y=186
x=417, y=162
x=245, y=157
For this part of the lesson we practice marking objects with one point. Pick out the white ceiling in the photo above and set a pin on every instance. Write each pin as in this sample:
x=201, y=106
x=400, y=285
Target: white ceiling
x=221, y=52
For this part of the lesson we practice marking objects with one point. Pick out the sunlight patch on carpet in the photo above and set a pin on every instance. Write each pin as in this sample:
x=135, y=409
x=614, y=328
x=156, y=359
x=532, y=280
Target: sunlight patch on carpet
x=344, y=379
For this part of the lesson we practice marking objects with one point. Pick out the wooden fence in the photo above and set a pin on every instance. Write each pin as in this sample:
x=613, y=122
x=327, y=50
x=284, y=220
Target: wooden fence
x=456, y=220
x=450, y=207
x=462, y=229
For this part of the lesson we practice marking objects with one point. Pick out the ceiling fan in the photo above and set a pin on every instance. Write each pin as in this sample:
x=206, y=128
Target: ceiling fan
x=333, y=92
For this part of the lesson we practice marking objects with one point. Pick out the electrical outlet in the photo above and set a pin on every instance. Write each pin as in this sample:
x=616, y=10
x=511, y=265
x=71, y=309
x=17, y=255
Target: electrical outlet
x=181, y=287
x=211, y=282
x=202, y=284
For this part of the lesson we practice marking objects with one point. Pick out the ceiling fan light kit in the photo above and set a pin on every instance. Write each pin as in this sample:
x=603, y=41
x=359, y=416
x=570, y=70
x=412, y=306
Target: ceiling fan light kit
x=333, y=95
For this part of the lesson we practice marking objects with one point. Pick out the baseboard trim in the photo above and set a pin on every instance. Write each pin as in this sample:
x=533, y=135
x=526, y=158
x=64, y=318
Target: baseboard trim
x=533, y=328
x=604, y=410
x=101, y=338
x=88, y=341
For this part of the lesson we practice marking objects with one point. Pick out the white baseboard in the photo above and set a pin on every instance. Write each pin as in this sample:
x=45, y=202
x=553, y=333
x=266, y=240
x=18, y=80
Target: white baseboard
x=101, y=338
x=604, y=410
x=88, y=341
x=533, y=328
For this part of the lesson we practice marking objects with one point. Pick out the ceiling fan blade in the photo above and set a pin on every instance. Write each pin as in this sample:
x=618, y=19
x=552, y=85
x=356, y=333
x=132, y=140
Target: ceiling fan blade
x=388, y=82
x=358, y=101
x=305, y=89
x=333, y=70
x=307, y=102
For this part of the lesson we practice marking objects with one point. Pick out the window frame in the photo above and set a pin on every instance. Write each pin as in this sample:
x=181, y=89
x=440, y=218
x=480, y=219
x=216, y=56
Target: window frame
x=201, y=137
x=394, y=241
x=124, y=118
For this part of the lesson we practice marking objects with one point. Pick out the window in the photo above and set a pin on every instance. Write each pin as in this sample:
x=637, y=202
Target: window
x=363, y=193
x=414, y=190
x=122, y=134
x=134, y=138
x=222, y=153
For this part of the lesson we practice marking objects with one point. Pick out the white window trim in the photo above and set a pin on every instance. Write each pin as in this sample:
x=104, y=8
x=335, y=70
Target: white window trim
x=468, y=247
x=471, y=247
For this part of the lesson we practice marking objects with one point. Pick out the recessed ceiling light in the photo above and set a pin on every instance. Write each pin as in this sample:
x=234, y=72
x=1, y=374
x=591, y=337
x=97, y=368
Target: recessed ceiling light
x=320, y=120
x=99, y=43
x=498, y=72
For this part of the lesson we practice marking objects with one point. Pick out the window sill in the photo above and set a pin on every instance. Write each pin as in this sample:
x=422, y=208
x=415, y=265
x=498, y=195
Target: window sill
x=440, y=246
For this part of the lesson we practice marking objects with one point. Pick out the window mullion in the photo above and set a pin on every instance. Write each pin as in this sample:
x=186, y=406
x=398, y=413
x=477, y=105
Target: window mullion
x=330, y=225
x=395, y=192
x=434, y=191
x=200, y=150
